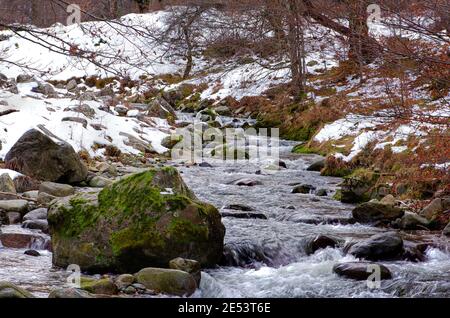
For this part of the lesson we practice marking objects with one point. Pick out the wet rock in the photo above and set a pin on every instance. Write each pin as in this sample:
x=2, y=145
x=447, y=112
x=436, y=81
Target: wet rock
x=40, y=157
x=446, y=230
x=361, y=270
x=134, y=216
x=321, y=242
x=388, y=200
x=205, y=165
x=7, y=184
x=33, y=253
x=304, y=189
x=20, y=206
x=167, y=281
x=70, y=293
x=125, y=280
x=189, y=266
x=78, y=120
x=36, y=225
x=322, y=192
x=247, y=182
x=17, y=240
x=437, y=212
x=244, y=215
x=56, y=189
x=8, y=290
x=103, y=286
x=317, y=165
x=45, y=199
x=282, y=164
x=38, y=214
x=384, y=246
x=31, y=194
x=14, y=217
x=239, y=207
x=412, y=221
x=372, y=212
x=99, y=182
x=412, y=253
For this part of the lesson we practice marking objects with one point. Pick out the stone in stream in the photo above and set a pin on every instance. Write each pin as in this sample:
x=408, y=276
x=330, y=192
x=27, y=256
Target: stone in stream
x=21, y=240
x=36, y=225
x=189, y=266
x=100, y=182
x=322, y=192
x=32, y=253
x=372, y=212
x=247, y=182
x=437, y=212
x=412, y=221
x=383, y=246
x=56, y=189
x=321, y=242
x=205, y=165
x=20, y=206
x=361, y=270
x=239, y=207
x=104, y=286
x=303, y=188
x=134, y=223
x=45, y=198
x=446, y=230
x=31, y=194
x=70, y=293
x=167, y=281
x=7, y=184
x=8, y=290
x=40, y=157
x=244, y=215
x=38, y=214
x=124, y=280
x=317, y=165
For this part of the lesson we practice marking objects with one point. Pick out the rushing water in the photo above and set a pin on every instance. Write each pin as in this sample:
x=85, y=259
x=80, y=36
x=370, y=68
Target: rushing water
x=269, y=256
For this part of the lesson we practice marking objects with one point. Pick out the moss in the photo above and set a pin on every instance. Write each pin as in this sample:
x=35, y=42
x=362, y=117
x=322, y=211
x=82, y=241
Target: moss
x=305, y=149
x=184, y=231
x=338, y=195
x=134, y=237
x=238, y=154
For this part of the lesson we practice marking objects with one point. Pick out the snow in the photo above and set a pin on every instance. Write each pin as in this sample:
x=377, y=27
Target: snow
x=12, y=174
x=49, y=113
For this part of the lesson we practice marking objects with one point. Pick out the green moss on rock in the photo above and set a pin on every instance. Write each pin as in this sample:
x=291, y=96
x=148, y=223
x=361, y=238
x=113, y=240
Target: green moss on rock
x=135, y=223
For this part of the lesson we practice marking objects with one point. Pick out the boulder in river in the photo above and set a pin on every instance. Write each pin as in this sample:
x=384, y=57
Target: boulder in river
x=361, y=270
x=167, y=281
x=304, y=188
x=187, y=265
x=412, y=221
x=56, y=189
x=244, y=215
x=317, y=165
x=70, y=293
x=247, y=182
x=135, y=222
x=104, y=286
x=39, y=156
x=321, y=242
x=14, y=206
x=8, y=290
x=372, y=212
x=38, y=214
x=383, y=246
x=36, y=225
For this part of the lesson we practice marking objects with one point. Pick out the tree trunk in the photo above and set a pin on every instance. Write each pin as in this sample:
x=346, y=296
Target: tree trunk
x=361, y=44
x=188, y=68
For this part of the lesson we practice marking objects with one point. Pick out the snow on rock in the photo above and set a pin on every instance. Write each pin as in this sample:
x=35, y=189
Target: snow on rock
x=77, y=129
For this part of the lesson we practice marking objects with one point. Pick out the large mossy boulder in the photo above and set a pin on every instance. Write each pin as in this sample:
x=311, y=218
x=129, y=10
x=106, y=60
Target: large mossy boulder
x=167, y=281
x=43, y=158
x=146, y=219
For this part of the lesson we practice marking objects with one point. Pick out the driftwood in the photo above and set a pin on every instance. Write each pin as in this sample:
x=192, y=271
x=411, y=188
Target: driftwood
x=18, y=196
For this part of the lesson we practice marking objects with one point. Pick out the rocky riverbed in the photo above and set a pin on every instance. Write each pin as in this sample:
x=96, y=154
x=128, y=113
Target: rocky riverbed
x=285, y=237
